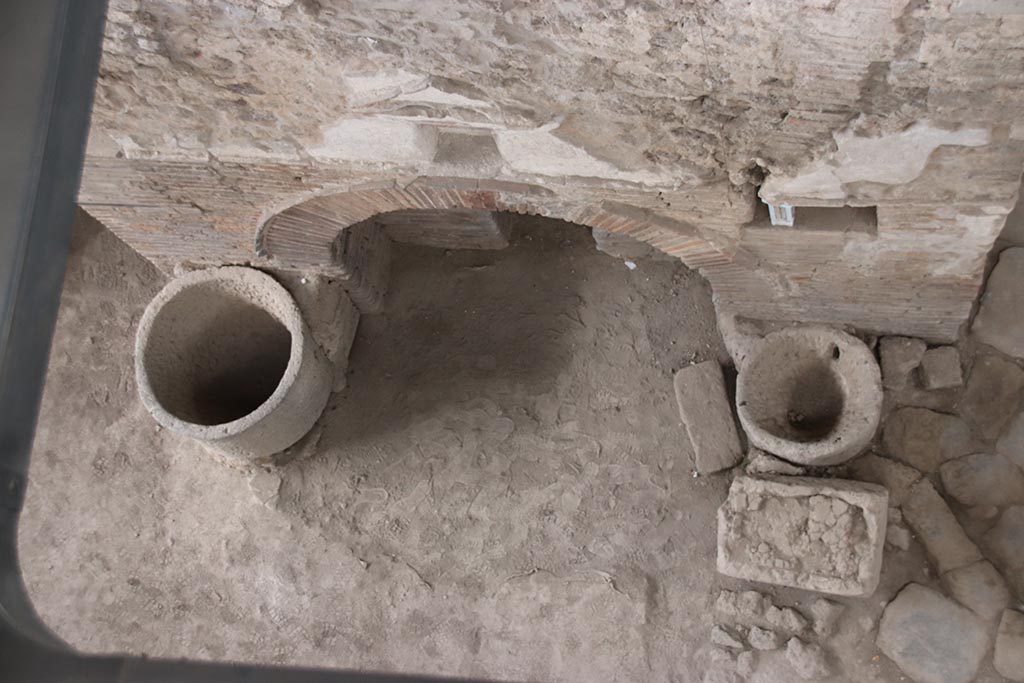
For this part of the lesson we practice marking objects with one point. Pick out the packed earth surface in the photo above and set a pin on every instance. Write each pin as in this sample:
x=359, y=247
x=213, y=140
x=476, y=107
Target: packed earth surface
x=505, y=490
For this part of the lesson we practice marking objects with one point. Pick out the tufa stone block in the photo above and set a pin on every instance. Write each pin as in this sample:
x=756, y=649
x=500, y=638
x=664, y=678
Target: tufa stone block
x=822, y=535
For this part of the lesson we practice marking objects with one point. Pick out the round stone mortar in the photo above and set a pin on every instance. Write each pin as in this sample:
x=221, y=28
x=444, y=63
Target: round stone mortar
x=223, y=356
x=810, y=395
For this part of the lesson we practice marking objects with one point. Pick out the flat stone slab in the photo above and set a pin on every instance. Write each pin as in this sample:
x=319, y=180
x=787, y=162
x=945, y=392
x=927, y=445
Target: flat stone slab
x=900, y=356
x=999, y=322
x=895, y=476
x=705, y=410
x=924, y=439
x=938, y=529
x=993, y=395
x=983, y=479
x=1009, y=654
x=940, y=368
x=822, y=535
x=1004, y=544
x=931, y=638
x=1011, y=443
x=979, y=588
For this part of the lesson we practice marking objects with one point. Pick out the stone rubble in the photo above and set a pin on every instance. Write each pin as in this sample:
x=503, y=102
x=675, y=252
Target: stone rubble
x=786, y=619
x=745, y=606
x=979, y=588
x=745, y=664
x=764, y=639
x=983, y=479
x=993, y=395
x=1009, y=653
x=900, y=358
x=823, y=535
x=725, y=637
x=897, y=535
x=705, y=410
x=931, y=638
x=826, y=614
x=924, y=439
x=759, y=462
x=807, y=659
x=940, y=368
x=999, y=322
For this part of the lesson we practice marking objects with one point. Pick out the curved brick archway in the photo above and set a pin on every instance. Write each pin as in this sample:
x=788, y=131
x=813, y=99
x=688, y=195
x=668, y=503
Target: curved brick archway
x=303, y=235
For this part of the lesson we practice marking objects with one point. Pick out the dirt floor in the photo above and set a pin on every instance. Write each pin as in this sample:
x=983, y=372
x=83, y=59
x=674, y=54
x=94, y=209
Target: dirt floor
x=504, y=490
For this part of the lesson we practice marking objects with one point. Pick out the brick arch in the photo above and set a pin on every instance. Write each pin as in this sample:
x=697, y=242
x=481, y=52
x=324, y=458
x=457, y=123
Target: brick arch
x=303, y=234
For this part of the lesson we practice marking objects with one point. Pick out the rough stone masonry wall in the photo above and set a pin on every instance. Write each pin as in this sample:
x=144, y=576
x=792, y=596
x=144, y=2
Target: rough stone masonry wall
x=214, y=118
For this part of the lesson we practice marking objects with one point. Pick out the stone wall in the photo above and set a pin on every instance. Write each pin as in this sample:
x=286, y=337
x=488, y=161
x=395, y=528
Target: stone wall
x=216, y=120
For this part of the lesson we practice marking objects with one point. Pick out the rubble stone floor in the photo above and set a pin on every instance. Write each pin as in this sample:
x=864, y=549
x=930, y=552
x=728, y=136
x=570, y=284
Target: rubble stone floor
x=504, y=490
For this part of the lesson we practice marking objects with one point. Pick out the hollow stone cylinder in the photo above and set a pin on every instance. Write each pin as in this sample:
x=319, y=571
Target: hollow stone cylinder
x=811, y=395
x=223, y=356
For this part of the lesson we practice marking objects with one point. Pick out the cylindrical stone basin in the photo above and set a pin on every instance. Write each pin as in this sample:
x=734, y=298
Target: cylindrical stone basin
x=223, y=356
x=810, y=395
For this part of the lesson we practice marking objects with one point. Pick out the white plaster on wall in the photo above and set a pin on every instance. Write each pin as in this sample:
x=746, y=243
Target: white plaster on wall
x=376, y=140
x=539, y=152
x=990, y=7
x=272, y=150
x=892, y=159
x=434, y=96
x=361, y=90
x=955, y=253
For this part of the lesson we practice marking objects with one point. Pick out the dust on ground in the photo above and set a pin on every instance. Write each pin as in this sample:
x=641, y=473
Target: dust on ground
x=504, y=490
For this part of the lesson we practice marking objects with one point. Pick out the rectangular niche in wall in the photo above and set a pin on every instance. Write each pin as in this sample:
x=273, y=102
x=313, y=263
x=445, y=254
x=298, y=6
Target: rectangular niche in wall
x=841, y=219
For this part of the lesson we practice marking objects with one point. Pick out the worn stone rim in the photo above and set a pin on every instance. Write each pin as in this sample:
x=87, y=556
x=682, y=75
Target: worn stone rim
x=287, y=313
x=858, y=418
